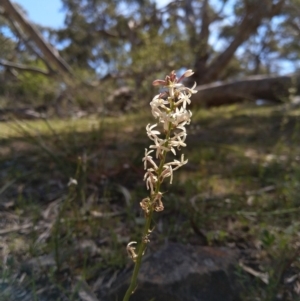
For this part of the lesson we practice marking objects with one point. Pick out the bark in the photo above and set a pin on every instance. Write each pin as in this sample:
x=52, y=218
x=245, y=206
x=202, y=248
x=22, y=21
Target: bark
x=202, y=41
x=28, y=43
x=50, y=54
x=272, y=88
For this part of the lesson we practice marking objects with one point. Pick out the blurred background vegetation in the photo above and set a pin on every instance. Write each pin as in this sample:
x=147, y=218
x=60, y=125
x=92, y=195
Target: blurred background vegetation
x=74, y=103
x=108, y=52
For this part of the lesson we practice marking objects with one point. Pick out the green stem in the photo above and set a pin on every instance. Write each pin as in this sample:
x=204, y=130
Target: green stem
x=138, y=262
x=146, y=231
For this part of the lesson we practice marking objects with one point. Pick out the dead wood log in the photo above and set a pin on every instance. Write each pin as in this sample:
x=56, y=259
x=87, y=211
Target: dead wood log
x=271, y=88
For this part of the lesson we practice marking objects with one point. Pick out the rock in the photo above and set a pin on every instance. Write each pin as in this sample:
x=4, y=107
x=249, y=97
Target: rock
x=183, y=273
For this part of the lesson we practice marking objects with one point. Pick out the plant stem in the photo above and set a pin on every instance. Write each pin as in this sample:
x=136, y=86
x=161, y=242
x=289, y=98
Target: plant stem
x=138, y=262
x=146, y=231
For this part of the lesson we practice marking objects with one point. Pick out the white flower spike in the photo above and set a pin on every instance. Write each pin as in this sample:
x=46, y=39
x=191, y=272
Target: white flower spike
x=169, y=108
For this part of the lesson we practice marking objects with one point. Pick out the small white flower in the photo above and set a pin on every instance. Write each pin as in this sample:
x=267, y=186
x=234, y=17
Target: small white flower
x=149, y=159
x=152, y=134
x=150, y=179
x=177, y=163
x=131, y=250
x=181, y=117
x=160, y=147
x=167, y=172
x=177, y=144
x=172, y=87
x=190, y=91
x=72, y=182
x=184, y=99
x=157, y=101
x=178, y=139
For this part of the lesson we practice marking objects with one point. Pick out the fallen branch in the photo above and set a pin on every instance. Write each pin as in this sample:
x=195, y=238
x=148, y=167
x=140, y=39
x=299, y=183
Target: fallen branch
x=27, y=42
x=22, y=67
x=11, y=11
x=15, y=229
x=272, y=88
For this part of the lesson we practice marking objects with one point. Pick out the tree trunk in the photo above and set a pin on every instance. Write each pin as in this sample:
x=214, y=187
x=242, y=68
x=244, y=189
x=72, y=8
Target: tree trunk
x=50, y=54
x=254, y=15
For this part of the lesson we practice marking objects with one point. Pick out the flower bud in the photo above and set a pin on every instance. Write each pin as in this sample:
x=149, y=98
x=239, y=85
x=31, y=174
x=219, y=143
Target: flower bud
x=159, y=82
x=188, y=73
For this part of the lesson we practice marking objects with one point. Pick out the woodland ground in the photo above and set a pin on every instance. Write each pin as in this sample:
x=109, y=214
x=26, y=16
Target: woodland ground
x=240, y=189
